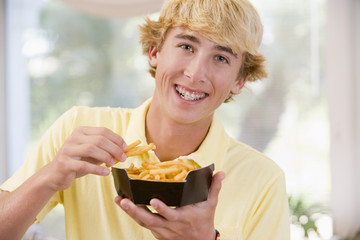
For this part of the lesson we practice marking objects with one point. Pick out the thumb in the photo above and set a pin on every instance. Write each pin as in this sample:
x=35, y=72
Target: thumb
x=215, y=187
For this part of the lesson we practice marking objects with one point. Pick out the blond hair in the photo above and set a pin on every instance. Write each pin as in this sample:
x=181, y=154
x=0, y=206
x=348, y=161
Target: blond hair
x=231, y=23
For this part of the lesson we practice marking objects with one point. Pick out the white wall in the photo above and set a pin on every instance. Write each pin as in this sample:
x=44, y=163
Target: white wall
x=3, y=164
x=343, y=76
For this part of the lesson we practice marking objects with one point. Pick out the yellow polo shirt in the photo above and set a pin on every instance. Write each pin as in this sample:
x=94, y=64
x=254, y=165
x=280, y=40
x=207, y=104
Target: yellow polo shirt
x=252, y=203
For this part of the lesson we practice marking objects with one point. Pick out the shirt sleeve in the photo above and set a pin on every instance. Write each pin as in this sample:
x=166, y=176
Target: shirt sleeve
x=41, y=155
x=271, y=220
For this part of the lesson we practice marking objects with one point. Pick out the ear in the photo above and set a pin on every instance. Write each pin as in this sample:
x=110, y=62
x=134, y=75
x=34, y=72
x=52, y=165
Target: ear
x=238, y=85
x=153, y=56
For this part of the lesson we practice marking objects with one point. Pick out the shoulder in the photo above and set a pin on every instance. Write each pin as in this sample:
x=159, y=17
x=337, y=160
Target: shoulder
x=97, y=116
x=245, y=160
x=83, y=112
x=115, y=119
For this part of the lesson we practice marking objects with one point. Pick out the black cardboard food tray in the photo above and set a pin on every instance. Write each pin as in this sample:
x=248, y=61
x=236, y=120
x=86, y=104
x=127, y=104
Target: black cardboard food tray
x=194, y=189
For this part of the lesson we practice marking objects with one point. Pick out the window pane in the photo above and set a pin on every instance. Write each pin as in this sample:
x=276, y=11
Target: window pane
x=85, y=61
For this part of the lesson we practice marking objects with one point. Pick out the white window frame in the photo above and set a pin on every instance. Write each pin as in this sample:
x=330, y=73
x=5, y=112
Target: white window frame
x=343, y=87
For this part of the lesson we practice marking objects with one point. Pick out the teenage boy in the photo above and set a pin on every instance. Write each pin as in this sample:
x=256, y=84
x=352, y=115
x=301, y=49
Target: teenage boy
x=200, y=52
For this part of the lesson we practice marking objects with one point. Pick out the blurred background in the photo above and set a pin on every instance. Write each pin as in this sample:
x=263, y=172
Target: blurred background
x=57, y=54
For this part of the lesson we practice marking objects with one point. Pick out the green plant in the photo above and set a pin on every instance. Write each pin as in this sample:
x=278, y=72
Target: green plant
x=305, y=214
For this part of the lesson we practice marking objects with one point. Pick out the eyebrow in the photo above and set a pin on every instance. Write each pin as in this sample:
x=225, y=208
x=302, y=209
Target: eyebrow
x=226, y=49
x=188, y=37
x=196, y=40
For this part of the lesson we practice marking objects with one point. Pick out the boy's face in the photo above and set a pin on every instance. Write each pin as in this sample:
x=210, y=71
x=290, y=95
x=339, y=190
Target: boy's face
x=193, y=75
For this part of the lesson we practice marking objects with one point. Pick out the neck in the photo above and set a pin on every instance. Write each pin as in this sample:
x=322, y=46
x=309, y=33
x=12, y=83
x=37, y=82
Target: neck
x=173, y=139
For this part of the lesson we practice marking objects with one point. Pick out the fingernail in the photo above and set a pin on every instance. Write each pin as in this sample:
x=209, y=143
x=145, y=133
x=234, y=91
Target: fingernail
x=154, y=204
x=124, y=205
x=113, y=162
x=123, y=157
x=117, y=200
x=222, y=176
x=106, y=171
x=124, y=146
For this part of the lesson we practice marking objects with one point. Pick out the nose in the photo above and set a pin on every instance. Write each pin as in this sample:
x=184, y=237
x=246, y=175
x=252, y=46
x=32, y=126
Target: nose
x=196, y=68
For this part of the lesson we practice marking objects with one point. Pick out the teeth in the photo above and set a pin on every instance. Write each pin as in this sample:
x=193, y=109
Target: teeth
x=192, y=96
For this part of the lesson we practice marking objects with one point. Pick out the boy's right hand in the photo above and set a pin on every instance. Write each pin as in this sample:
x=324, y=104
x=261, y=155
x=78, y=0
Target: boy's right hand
x=83, y=153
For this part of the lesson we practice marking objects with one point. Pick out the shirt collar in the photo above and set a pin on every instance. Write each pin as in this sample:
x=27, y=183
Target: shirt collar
x=136, y=128
x=211, y=150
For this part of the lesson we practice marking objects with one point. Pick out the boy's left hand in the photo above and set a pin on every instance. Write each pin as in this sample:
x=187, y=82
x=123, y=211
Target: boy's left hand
x=194, y=221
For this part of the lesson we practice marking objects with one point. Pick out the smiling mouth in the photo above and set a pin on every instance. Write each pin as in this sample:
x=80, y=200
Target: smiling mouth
x=189, y=95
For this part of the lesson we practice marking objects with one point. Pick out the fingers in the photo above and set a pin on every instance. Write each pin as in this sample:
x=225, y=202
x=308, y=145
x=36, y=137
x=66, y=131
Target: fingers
x=102, y=131
x=171, y=214
x=118, y=200
x=104, y=143
x=168, y=213
x=89, y=153
x=141, y=215
x=194, y=221
x=144, y=217
x=84, y=152
x=82, y=168
x=96, y=150
x=97, y=143
x=215, y=188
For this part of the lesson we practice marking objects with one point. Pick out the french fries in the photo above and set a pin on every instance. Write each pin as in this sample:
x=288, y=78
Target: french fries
x=169, y=171
x=134, y=150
